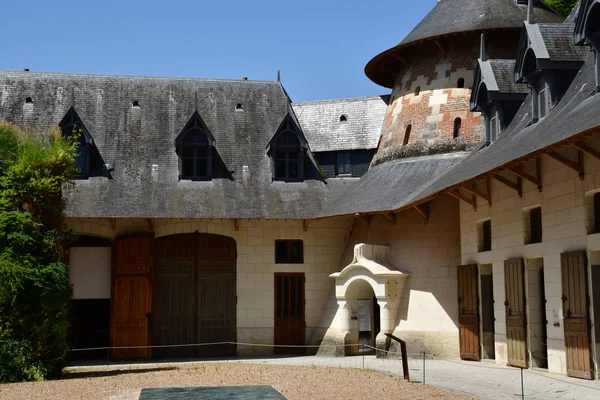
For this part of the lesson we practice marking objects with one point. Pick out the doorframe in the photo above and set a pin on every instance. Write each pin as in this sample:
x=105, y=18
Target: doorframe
x=275, y=275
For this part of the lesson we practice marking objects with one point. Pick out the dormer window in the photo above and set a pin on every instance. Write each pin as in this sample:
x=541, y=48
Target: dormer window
x=239, y=107
x=288, y=157
x=87, y=158
x=195, y=146
x=543, y=97
x=29, y=100
x=343, y=118
x=494, y=124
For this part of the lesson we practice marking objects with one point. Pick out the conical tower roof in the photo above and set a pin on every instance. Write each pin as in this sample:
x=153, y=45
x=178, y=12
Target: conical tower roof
x=457, y=16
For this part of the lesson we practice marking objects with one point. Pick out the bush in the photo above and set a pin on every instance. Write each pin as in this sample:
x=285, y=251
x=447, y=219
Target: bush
x=34, y=280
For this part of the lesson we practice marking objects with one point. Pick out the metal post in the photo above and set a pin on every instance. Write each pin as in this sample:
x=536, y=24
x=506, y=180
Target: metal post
x=363, y=354
x=522, y=389
x=423, y=368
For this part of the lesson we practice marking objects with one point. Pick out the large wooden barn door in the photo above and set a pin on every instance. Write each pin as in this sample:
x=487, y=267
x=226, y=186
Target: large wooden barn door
x=576, y=314
x=216, y=299
x=174, y=292
x=516, y=328
x=131, y=296
x=289, y=312
x=468, y=312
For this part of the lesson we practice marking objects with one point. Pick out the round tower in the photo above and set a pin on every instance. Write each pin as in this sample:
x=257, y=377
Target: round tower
x=431, y=73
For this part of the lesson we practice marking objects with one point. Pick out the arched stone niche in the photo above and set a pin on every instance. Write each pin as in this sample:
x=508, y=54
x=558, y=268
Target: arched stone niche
x=370, y=274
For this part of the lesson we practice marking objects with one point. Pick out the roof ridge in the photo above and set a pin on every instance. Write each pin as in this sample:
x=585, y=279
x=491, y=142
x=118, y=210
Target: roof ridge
x=341, y=99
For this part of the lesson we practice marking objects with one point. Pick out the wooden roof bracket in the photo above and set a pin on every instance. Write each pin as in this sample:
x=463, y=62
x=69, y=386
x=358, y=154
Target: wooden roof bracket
x=305, y=225
x=520, y=173
x=423, y=210
x=399, y=58
x=472, y=188
x=518, y=186
x=390, y=217
x=456, y=193
x=576, y=166
x=437, y=43
x=236, y=224
x=151, y=221
x=113, y=224
x=364, y=218
x=586, y=149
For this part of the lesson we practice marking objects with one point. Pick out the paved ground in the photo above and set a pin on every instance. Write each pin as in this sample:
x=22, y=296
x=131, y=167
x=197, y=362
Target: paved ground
x=475, y=379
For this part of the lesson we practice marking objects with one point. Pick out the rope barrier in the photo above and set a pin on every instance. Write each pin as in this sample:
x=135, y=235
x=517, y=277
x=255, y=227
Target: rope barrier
x=213, y=344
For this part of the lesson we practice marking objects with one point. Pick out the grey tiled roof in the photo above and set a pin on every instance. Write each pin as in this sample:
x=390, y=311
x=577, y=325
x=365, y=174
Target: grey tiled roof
x=454, y=16
x=320, y=121
x=133, y=139
x=504, y=74
x=559, y=42
x=572, y=18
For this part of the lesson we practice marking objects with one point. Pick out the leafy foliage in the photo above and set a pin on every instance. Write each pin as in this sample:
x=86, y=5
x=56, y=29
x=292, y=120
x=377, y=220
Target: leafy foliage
x=34, y=281
x=564, y=7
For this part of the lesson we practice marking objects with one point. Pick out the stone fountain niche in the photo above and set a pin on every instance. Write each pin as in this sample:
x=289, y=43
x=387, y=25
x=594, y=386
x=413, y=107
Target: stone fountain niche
x=371, y=274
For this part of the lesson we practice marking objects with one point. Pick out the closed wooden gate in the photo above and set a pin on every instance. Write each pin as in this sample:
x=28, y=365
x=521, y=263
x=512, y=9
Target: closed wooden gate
x=131, y=296
x=289, y=312
x=516, y=328
x=576, y=314
x=194, y=295
x=468, y=312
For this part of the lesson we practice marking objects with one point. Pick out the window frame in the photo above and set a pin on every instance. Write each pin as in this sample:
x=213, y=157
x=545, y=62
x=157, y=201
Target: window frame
x=407, y=132
x=535, y=231
x=484, y=229
x=287, y=150
x=457, y=130
x=289, y=258
x=543, y=97
x=347, y=163
x=194, y=176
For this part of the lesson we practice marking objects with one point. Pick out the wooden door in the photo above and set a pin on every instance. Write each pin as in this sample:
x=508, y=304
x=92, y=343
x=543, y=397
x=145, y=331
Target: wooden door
x=216, y=294
x=131, y=296
x=289, y=312
x=468, y=312
x=576, y=314
x=174, y=306
x=516, y=324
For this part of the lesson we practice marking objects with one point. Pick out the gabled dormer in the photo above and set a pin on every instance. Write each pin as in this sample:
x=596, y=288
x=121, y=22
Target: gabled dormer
x=288, y=150
x=587, y=30
x=88, y=159
x=495, y=93
x=195, y=148
x=547, y=60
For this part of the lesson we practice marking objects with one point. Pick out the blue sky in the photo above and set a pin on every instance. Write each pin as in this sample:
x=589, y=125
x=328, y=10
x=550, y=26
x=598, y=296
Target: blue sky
x=321, y=47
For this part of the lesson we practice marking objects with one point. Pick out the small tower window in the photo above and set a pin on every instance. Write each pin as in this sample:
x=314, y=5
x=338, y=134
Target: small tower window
x=407, y=135
x=343, y=118
x=29, y=100
x=417, y=90
x=135, y=104
x=239, y=107
x=457, y=127
x=460, y=83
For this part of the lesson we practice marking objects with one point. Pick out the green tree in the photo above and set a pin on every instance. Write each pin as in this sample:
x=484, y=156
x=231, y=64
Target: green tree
x=564, y=7
x=34, y=281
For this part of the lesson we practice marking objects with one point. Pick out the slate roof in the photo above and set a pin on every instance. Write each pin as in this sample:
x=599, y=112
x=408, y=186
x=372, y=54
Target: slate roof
x=320, y=121
x=454, y=16
x=136, y=141
x=504, y=74
x=559, y=42
x=572, y=18
x=577, y=112
x=392, y=185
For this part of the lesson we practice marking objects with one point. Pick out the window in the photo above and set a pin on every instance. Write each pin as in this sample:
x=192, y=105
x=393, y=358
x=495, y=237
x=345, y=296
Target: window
x=82, y=157
x=407, y=135
x=460, y=83
x=597, y=212
x=29, y=100
x=543, y=97
x=289, y=252
x=135, y=104
x=494, y=124
x=344, y=163
x=417, y=90
x=195, y=155
x=535, y=225
x=238, y=107
x=343, y=118
x=485, y=235
x=287, y=157
x=457, y=126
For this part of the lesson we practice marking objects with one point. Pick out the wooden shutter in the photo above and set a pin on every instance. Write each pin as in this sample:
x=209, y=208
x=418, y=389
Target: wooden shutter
x=131, y=296
x=576, y=314
x=516, y=328
x=468, y=312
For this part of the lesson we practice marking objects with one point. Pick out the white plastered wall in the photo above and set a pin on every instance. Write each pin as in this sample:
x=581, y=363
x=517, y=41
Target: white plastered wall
x=565, y=223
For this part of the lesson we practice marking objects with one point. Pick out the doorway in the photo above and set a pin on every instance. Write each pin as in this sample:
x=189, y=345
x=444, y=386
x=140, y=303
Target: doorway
x=369, y=324
x=290, y=321
x=194, y=295
x=487, y=312
x=536, y=295
x=468, y=312
x=516, y=326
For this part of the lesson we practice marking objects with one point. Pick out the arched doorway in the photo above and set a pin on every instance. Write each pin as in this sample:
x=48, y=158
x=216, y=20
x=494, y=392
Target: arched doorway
x=366, y=324
x=194, y=295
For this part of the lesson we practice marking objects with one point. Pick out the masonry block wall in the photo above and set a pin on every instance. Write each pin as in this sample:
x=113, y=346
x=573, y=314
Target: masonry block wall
x=567, y=225
x=426, y=96
x=430, y=252
x=324, y=243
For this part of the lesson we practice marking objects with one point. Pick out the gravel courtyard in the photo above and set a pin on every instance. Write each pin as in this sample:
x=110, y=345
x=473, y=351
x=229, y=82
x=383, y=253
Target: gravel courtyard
x=294, y=382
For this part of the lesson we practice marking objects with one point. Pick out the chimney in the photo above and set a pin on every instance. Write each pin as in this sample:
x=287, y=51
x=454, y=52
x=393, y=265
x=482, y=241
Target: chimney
x=245, y=78
x=26, y=69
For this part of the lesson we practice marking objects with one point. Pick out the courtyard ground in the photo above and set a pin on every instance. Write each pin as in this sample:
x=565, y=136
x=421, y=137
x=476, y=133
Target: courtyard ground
x=124, y=382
